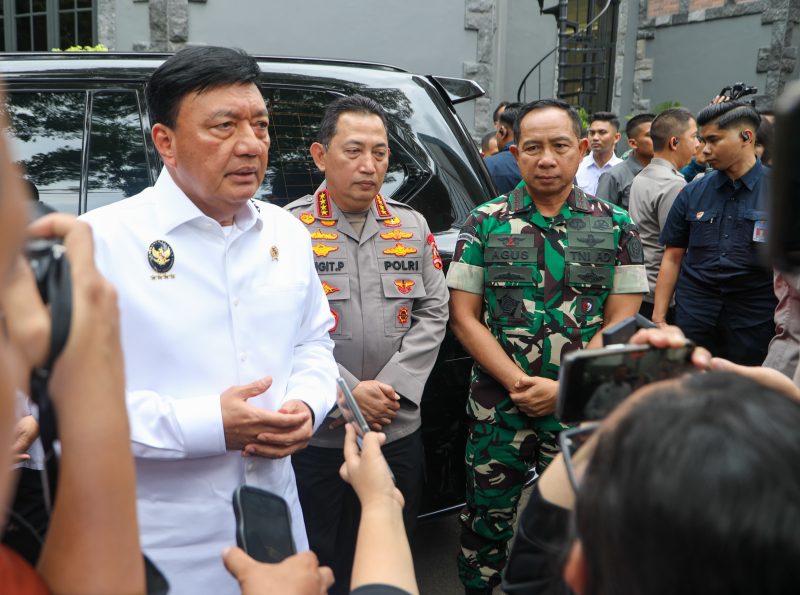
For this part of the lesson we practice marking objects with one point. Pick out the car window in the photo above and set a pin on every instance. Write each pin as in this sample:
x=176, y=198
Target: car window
x=295, y=116
x=46, y=130
x=117, y=155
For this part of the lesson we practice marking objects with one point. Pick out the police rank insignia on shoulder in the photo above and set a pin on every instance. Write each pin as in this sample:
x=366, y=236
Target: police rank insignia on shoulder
x=437, y=259
x=400, y=250
x=392, y=222
x=321, y=249
x=380, y=206
x=161, y=258
x=307, y=218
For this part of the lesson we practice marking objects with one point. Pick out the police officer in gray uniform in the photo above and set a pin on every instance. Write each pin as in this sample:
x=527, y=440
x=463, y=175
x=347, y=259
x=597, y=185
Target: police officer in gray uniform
x=381, y=270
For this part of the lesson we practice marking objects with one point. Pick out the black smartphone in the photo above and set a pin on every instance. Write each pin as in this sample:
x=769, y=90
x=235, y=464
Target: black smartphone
x=263, y=524
x=625, y=329
x=352, y=414
x=593, y=382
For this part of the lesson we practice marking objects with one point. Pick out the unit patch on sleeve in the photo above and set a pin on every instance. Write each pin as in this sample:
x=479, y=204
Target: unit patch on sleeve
x=437, y=259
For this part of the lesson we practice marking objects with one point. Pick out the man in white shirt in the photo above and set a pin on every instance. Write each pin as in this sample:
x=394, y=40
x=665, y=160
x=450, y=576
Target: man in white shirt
x=603, y=137
x=224, y=322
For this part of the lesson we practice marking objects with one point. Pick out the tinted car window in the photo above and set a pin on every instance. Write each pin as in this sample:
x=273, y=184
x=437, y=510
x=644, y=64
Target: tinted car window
x=117, y=154
x=47, y=134
x=295, y=116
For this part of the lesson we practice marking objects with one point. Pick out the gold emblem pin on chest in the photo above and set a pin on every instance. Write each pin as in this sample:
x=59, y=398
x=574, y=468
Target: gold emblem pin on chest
x=273, y=252
x=161, y=257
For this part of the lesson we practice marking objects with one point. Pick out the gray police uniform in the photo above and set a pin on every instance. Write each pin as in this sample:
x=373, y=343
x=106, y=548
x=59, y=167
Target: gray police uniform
x=389, y=300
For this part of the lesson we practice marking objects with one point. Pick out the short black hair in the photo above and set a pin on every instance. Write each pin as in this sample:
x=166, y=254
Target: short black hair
x=509, y=116
x=635, y=122
x=728, y=114
x=543, y=104
x=496, y=114
x=764, y=136
x=609, y=117
x=487, y=138
x=669, y=123
x=351, y=104
x=695, y=491
x=194, y=70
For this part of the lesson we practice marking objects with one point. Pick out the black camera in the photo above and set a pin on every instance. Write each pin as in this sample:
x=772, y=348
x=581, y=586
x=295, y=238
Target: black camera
x=47, y=259
x=738, y=90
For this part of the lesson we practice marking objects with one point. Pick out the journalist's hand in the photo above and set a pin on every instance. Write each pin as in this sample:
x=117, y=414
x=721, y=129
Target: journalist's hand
x=671, y=336
x=26, y=430
x=26, y=318
x=535, y=396
x=367, y=471
x=300, y=574
x=89, y=372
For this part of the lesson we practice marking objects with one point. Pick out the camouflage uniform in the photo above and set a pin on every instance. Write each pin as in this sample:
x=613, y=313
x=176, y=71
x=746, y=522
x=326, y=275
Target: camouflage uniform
x=544, y=282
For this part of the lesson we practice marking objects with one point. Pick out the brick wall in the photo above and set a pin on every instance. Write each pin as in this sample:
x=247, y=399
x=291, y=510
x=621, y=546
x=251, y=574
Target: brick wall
x=658, y=8
x=703, y=4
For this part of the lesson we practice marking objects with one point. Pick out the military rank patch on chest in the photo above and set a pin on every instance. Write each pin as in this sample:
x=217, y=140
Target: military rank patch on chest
x=503, y=247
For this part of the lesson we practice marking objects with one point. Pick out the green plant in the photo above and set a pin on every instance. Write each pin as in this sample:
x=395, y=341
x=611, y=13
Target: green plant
x=665, y=106
x=584, y=117
x=83, y=48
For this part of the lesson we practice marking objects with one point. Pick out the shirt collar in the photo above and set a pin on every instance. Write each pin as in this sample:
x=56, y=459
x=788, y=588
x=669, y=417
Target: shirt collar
x=749, y=179
x=663, y=163
x=175, y=208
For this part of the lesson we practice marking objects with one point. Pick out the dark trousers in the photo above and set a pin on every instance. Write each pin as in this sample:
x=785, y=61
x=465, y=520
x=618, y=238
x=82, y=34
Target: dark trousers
x=746, y=346
x=331, y=507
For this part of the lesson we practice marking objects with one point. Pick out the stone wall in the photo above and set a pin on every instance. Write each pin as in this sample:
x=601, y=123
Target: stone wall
x=777, y=61
x=481, y=16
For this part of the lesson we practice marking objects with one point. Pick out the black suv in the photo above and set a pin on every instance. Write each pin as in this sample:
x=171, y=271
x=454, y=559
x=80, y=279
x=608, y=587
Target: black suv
x=80, y=130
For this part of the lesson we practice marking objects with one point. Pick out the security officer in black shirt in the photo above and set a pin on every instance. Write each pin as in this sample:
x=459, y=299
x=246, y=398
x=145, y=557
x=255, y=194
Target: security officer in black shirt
x=725, y=299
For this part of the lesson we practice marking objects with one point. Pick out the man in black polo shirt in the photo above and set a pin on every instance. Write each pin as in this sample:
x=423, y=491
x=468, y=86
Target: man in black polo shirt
x=724, y=300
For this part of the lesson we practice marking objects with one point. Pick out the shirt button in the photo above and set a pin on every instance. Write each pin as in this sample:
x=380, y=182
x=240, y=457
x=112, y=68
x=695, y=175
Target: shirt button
x=250, y=466
x=730, y=217
x=724, y=254
x=236, y=300
x=243, y=356
x=725, y=236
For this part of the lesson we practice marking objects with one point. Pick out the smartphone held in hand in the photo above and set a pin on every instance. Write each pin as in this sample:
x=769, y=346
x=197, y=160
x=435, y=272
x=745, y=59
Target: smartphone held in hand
x=263, y=524
x=593, y=382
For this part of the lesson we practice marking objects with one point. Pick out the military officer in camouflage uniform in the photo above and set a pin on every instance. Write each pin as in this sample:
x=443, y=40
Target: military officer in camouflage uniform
x=380, y=268
x=536, y=274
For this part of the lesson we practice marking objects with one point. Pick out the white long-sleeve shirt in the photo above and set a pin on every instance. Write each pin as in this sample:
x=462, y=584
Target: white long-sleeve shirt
x=236, y=305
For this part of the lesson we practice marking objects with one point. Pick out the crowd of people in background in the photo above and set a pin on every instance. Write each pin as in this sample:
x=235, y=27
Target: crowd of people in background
x=713, y=281
x=690, y=486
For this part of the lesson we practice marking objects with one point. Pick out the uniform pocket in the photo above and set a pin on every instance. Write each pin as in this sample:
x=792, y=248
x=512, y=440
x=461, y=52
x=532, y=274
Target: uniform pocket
x=337, y=290
x=703, y=231
x=510, y=294
x=399, y=292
